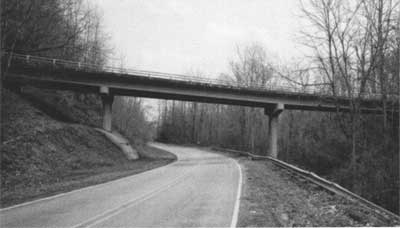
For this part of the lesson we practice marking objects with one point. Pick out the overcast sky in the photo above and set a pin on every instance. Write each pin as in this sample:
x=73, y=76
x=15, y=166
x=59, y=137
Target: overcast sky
x=180, y=36
x=183, y=36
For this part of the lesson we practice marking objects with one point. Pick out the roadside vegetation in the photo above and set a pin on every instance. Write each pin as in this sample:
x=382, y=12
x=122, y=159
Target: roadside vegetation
x=273, y=197
x=69, y=30
x=41, y=156
x=48, y=141
x=355, y=54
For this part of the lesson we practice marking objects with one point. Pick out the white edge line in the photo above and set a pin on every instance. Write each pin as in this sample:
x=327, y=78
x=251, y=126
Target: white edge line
x=239, y=193
x=82, y=189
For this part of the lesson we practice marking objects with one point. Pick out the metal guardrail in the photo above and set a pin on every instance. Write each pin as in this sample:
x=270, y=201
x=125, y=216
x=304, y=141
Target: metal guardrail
x=29, y=59
x=326, y=184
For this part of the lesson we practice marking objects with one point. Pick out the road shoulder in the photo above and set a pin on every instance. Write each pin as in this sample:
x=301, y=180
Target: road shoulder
x=273, y=197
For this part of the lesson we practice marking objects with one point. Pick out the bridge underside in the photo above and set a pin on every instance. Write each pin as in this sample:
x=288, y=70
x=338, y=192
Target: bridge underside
x=110, y=85
x=160, y=89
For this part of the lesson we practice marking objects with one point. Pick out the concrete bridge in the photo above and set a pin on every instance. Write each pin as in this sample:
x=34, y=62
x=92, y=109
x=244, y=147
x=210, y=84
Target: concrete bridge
x=19, y=70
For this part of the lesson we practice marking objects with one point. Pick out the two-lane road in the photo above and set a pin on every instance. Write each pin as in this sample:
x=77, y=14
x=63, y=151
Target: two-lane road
x=200, y=189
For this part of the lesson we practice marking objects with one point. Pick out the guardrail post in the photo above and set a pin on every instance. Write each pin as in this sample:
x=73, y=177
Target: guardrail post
x=273, y=113
x=107, y=100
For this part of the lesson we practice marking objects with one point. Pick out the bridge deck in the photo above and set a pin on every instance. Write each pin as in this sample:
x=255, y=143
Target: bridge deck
x=131, y=84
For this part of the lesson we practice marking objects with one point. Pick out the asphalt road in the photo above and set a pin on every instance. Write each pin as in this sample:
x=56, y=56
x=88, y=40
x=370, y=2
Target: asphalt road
x=200, y=189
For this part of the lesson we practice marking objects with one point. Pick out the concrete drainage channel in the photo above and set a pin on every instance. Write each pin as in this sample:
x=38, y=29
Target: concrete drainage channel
x=121, y=142
x=323, y=183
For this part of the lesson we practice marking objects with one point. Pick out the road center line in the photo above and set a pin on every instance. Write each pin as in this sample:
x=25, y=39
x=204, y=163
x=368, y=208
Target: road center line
x=85, y=188
x=110, y=213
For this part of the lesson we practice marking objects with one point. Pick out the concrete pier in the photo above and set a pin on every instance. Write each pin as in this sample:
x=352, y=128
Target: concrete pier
x=107, y=100
x=273, y=113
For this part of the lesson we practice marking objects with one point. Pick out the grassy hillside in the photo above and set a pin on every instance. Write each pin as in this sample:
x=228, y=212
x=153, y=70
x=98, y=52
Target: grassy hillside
x=66, y=106
x=41, y=156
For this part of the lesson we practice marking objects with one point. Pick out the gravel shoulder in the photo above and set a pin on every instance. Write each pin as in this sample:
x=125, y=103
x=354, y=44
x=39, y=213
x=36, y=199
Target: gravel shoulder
x=271, y=196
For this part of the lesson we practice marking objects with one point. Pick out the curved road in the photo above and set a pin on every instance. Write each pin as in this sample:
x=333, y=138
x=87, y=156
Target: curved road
x=200, y=189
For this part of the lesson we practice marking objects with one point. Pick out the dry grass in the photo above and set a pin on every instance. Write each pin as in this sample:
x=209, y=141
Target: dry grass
x=271, y=196
x=41, y=156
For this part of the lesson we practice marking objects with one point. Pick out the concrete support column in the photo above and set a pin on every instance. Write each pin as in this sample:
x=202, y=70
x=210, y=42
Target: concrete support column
x=273, y=113
x=273, y=128
x=107, y=100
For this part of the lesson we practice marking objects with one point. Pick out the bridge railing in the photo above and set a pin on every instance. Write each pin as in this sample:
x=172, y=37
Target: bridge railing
x=79, y=66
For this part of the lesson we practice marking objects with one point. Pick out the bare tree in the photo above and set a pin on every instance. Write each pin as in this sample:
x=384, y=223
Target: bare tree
x=350, y=41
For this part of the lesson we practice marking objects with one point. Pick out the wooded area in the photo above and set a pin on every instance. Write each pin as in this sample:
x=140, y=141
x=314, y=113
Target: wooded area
x=69, y=30
x=356, y=53
x=356, y=50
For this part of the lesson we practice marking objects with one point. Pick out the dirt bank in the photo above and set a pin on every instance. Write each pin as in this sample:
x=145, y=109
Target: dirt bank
x=41, y=156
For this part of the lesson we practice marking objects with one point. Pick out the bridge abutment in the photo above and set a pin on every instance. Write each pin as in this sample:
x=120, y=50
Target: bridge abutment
x=107, y=100
x=273, y=113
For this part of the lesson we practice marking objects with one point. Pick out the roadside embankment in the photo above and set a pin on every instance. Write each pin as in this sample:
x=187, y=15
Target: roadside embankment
x=272, y=196
x=41, y=156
